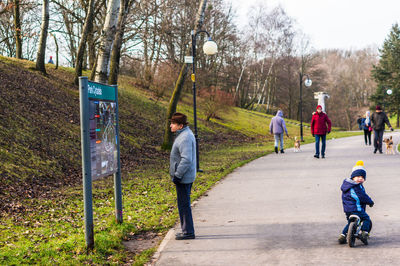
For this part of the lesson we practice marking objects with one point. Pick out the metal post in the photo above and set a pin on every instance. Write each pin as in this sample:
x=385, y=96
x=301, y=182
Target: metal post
x=194, y=34
x=117, y=175
x=86, y=169
x=301, y=106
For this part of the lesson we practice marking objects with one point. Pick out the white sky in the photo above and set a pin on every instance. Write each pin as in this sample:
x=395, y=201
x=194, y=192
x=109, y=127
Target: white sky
x=344, y=24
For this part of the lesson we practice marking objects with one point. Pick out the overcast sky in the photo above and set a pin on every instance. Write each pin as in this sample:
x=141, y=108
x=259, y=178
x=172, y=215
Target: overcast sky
x=345, y=24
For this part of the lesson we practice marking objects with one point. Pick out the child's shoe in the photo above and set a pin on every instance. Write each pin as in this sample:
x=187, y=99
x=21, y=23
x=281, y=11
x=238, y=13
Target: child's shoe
x=342, y=239
x=364, y=237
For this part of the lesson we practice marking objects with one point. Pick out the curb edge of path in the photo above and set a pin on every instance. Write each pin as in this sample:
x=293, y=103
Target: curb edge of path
x=161, y=247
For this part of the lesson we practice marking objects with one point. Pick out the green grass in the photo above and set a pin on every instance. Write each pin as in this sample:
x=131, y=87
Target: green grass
x=393, y=120
x=51, y=231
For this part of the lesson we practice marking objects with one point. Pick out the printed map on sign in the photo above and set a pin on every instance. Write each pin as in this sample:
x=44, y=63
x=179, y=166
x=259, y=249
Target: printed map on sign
x=103, y=138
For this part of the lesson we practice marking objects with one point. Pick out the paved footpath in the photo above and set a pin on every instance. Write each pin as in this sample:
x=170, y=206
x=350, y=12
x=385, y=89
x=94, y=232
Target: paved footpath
x=286, y=209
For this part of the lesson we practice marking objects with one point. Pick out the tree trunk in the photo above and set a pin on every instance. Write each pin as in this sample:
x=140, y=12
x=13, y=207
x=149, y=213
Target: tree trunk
x=40, y=58
x=173, y=103
x=17, y=25
x=119, y=37
x=398, y=117
x=107, y=38
x=87, y=27
x=167, y=144
x=91, y=50
x=56, y=43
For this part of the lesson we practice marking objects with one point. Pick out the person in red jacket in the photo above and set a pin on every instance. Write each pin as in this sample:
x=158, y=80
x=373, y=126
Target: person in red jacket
x=320, y=126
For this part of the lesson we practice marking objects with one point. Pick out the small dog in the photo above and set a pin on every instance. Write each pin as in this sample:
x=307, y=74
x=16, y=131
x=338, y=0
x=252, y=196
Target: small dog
x=296, y=144
x=389, y=145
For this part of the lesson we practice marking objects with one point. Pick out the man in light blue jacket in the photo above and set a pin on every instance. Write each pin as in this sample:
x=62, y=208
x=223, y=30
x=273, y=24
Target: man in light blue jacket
x=277, y=127
x=183, y=171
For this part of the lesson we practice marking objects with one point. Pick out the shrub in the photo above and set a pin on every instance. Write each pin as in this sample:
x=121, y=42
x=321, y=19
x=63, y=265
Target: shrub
x=214, y=101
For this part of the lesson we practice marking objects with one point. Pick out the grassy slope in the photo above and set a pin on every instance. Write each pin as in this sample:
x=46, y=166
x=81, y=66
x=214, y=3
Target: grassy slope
x=43, y=223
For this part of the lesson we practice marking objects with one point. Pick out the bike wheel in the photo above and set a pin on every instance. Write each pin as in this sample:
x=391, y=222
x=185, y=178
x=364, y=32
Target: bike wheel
x=351, y=234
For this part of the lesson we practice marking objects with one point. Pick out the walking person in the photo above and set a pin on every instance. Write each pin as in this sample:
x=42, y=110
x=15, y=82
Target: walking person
x=367, y=127
x=320, y=126
x=379, y=119
x=278, y=127
x=183, y=171
x=359, y=122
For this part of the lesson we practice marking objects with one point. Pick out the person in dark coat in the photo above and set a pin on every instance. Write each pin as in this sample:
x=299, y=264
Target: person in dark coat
x=379, y=119
x=367, y=127
x=355, y=200
x=359, y=122
x=320, y=126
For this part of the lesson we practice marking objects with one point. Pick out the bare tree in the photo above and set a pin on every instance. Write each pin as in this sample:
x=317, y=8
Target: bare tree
x=116, y=52
x=18, y=28
x=107, y=38
x=88, y=26
x=167, y=142
x=40, y=59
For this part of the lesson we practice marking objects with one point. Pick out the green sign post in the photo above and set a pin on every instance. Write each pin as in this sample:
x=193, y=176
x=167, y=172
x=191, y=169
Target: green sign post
x=100, y=145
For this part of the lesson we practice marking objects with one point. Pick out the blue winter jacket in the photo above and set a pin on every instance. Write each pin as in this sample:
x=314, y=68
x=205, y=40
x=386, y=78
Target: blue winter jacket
x=354, y=198
x=364, y=125
x=183, y=156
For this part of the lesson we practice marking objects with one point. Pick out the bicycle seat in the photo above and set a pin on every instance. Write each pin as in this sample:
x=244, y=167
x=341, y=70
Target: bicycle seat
x=354, y=217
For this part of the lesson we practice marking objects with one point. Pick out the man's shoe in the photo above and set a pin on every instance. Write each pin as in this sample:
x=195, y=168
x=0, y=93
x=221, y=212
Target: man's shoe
x=323, y=156
x=282, y=151
x=181, y=236
x=342, y=239
x=316, y=156
x=380, y=152
x=375, y=150
x=364, y=237
x=276, y=150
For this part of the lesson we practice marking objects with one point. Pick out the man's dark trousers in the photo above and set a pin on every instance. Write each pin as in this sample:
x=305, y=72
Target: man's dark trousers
x=185, y=210
x=323, y=140
x=378, y=137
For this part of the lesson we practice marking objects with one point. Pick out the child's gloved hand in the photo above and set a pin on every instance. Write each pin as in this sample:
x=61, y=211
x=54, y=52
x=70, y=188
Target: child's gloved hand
x=371, y=205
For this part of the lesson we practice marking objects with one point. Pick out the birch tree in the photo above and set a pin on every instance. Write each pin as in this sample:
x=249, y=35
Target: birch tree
x=119, y=37
x=107, y=38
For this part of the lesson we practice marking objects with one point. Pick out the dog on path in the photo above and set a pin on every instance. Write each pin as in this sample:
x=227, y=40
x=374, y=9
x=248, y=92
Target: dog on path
x=296, y=144
x=389, y=145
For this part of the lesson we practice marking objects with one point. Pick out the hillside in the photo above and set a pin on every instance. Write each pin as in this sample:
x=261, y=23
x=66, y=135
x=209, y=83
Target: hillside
x=40, y=134
x=40, y=172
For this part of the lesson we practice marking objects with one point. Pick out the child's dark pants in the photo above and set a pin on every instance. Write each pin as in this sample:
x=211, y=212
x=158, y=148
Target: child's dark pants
x=366, y=226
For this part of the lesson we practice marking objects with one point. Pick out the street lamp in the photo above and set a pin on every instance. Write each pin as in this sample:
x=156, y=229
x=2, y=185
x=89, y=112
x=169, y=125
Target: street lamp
x=308, y=83
x=209, y=48
x=388, y=92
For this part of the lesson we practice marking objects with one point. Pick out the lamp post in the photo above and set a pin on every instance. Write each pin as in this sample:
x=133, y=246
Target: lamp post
x=209, y=48
x=308, y=83
x=388, y=92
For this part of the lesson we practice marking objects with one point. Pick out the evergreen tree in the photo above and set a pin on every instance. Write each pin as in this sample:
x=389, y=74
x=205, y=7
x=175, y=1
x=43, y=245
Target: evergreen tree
x=387, y=74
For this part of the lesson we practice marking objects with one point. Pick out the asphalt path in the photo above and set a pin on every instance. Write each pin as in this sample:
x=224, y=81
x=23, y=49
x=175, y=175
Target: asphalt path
x=285, y=209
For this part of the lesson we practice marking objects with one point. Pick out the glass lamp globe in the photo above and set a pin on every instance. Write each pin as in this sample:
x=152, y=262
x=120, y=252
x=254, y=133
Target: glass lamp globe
x=308, y=82
x=389, y=91
x=210, y=47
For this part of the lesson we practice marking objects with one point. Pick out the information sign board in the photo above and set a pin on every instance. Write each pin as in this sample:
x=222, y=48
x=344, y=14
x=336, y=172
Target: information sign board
x=103, y=138
x=100, y=145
